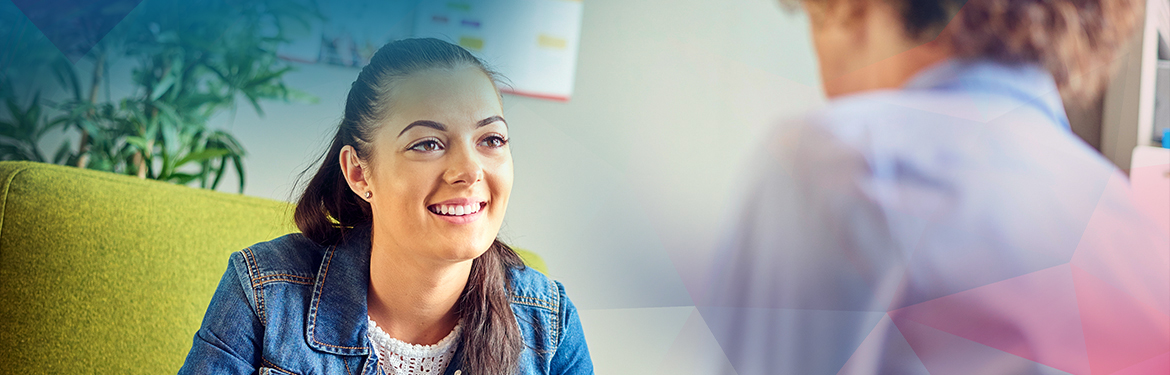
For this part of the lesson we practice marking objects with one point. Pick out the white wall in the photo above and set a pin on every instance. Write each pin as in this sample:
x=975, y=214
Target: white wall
x=625, y=187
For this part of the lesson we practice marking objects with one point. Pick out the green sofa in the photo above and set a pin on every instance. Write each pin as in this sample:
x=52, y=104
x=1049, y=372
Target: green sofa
x=109, y=274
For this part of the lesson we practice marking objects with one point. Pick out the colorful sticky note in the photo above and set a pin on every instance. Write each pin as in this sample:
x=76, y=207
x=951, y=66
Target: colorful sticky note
x=549, y=41
x=471, y=43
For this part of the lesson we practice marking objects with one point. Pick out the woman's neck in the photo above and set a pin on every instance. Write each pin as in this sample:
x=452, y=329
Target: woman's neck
x=413, y=299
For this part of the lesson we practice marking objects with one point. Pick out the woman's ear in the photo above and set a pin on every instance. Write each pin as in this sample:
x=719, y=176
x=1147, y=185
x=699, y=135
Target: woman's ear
x=354, y=170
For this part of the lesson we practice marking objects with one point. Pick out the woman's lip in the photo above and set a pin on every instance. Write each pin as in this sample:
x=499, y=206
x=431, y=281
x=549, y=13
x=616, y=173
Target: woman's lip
x=457, y=202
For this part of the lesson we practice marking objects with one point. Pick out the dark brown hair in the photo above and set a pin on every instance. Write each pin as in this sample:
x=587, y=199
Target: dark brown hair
x=1075, y=40
x=328, y=208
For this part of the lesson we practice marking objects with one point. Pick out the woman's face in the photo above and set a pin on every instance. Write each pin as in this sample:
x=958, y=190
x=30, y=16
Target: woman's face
x=441, y=169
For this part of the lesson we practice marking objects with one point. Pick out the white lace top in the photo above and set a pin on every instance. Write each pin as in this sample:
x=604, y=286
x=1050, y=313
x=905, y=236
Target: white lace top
x=396, y=357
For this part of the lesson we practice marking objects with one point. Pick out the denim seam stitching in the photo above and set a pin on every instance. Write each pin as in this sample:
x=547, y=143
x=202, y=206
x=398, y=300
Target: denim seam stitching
x=316, y=306
x=257, y=290
x=548, y=304
x=269, y=363
x=532, y=304
x=277, y=275
x=258, y=284
x=552, y=286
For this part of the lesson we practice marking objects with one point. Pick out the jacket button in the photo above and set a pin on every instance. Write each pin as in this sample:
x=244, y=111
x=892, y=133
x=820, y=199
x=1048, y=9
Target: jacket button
x=458, y=372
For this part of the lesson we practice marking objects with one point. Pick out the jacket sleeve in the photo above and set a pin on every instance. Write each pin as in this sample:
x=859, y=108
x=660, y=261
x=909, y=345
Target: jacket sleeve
x=572, y=354
x=231, y=332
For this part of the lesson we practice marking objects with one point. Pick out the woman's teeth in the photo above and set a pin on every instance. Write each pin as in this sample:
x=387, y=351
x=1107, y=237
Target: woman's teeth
x=450, y=210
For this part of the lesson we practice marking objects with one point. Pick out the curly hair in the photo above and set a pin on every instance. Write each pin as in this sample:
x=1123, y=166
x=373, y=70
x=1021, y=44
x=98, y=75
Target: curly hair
x=1075, y=40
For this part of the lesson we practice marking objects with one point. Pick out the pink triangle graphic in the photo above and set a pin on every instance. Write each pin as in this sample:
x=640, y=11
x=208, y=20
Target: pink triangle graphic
x=1120, y=331
x=1034, y=316
x=1156, y=365
x=943, y=353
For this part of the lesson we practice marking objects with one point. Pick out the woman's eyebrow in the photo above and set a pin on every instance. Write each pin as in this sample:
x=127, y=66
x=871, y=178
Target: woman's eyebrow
x=489, y=120
x=426, y=123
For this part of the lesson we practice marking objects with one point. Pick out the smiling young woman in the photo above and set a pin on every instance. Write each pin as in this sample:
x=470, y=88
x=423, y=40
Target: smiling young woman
x=397, y=268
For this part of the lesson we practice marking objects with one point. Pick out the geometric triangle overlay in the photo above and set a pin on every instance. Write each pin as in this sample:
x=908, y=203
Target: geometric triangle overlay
x=759, y=340
x=885, y=340
x=943, y=353
x=1156, y=365
x=75, y=26
x=1061, y=318
x=695, y=352
x=1034, y=316
x=1120, y=331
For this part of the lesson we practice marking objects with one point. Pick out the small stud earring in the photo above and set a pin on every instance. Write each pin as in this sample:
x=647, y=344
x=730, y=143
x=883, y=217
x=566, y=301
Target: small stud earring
x=368, y=194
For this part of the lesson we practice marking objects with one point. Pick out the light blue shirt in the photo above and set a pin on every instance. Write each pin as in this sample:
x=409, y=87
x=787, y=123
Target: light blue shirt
x=953, y=226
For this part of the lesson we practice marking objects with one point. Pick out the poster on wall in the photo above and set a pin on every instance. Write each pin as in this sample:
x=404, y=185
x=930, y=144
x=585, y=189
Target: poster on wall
x=532, y=43
x=351, y=31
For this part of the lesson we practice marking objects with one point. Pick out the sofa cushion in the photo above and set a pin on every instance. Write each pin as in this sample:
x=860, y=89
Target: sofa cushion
x=107, y=273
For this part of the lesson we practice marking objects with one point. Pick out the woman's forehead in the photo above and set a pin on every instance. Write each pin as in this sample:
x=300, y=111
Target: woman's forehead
x=459, y=97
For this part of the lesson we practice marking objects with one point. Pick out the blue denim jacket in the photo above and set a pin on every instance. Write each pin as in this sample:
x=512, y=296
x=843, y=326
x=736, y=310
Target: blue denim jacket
x=290, y=306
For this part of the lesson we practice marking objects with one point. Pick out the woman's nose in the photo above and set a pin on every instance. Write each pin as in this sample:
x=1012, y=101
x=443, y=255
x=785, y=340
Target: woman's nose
x=463, y=166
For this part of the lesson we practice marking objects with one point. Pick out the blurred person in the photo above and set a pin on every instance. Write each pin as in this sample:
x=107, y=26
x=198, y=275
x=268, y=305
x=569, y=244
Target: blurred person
x=939, y=216
x=397, y=269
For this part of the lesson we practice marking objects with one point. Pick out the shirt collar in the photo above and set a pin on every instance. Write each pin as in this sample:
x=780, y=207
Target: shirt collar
x=336, y=321
x=1028, y=83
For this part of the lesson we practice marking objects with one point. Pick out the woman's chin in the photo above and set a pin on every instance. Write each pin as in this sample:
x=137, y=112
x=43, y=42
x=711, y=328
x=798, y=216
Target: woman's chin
x=465, y=251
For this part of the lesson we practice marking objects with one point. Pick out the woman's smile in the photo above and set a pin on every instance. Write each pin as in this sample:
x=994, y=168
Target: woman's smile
x=459, y=210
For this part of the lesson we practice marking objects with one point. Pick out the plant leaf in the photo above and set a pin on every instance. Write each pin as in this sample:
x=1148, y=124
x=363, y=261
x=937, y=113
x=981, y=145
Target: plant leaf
x=182, y=178
x=223, y=162
x=239, y=164
x=210, y=153
x=161, y=88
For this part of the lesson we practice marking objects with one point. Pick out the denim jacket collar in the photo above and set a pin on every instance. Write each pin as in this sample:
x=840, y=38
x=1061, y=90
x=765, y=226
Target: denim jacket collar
x=336, y=321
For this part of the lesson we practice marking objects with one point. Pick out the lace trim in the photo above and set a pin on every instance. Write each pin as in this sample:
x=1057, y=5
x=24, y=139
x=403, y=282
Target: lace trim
x=398, y=357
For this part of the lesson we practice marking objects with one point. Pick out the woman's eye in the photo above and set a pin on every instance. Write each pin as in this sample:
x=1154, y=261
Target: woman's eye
x=427, y=146
x=493, y=142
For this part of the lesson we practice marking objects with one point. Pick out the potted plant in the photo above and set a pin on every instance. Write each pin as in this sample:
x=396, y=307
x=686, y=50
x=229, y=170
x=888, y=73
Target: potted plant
x=190, y=61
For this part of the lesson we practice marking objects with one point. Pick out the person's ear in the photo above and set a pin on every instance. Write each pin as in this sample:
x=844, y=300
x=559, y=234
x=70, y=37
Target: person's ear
x=355, y=172
x=852, y=16
x=840, y=21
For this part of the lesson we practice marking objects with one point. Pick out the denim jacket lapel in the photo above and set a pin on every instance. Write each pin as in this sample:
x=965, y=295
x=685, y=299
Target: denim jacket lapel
x=336, y=321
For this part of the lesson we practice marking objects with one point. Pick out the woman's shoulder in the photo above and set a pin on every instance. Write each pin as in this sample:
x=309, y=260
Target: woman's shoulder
x=292, y=254
x=535, y=289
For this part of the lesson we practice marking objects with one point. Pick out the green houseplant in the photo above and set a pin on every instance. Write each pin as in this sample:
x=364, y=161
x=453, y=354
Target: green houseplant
x=190, y=61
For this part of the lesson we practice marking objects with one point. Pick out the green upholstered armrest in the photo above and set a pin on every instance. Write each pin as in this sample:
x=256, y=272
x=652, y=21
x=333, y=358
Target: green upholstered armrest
x=111, y=274
x=531, y=260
